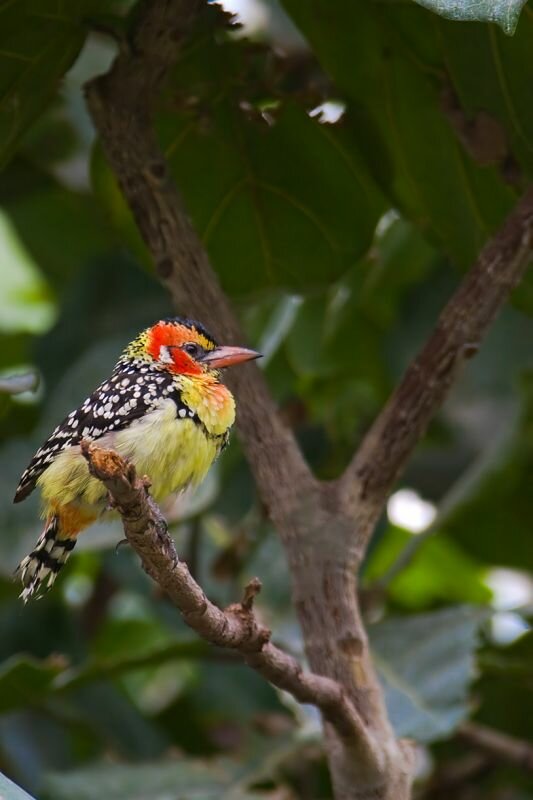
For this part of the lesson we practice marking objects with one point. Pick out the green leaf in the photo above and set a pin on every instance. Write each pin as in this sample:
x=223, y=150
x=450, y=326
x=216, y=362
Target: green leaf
x=491, y=75
x=10, y=790
x=294, y=193
x=504, y=12
x=39, y=40
x=426, y=663
x=186, y=779
x=117, y=664
x=439, y=572
x=386, y=63
x=24, y=680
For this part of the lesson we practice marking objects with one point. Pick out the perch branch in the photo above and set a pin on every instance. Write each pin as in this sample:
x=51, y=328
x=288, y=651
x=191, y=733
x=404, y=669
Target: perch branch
x=235, y=627
x=460, y=328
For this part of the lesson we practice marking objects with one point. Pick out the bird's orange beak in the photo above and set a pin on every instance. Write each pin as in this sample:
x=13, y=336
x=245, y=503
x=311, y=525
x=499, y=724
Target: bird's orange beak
x=228, y=356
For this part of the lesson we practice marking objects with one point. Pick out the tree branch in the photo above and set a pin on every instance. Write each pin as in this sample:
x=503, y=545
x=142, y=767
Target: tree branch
x=236, y=627
x=460, y=328
x=508, y=749
x=121, y=104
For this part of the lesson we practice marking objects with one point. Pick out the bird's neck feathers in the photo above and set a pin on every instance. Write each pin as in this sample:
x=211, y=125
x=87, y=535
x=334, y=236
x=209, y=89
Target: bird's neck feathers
x=202, y=391
x=209, y=399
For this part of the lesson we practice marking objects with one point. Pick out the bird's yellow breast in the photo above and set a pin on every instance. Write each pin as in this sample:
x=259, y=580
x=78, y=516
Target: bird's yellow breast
x=172, y=451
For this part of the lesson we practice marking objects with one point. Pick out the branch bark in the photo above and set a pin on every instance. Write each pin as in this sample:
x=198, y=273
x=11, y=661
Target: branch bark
x=324, y=527
x=457, y=336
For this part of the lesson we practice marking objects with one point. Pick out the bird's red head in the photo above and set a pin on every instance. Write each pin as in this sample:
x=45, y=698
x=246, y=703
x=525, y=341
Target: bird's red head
x=184, y=347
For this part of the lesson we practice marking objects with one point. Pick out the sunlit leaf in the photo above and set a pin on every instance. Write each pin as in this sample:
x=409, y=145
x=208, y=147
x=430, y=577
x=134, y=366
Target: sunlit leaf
x=439, y=571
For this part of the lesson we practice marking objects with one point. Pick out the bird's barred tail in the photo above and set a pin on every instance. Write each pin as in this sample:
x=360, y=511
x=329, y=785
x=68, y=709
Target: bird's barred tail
x=45, y=561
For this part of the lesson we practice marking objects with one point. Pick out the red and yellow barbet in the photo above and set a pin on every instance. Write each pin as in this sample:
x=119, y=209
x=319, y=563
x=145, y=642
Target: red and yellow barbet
x=163, y=407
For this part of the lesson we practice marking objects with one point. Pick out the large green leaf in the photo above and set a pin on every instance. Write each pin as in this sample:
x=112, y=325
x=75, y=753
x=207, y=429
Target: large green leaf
x=296, y=194
x=278, y=198
x=504, y=12
x=39, y=40
x=426, y=664
x=385, y=61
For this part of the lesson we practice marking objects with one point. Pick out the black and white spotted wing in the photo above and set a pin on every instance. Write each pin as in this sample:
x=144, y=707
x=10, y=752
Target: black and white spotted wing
x=127, y=395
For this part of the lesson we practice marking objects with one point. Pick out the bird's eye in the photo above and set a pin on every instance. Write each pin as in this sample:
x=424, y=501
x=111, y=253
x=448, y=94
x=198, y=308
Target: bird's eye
x=192, y=349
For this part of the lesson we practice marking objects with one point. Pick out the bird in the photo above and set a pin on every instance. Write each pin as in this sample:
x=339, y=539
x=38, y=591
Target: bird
x=164, y=408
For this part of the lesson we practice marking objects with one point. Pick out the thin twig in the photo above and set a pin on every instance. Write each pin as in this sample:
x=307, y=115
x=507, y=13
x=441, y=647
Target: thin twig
x=506, y=748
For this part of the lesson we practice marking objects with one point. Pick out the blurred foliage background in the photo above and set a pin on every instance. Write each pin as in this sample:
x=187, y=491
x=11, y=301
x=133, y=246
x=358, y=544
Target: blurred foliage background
x=344, y=162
